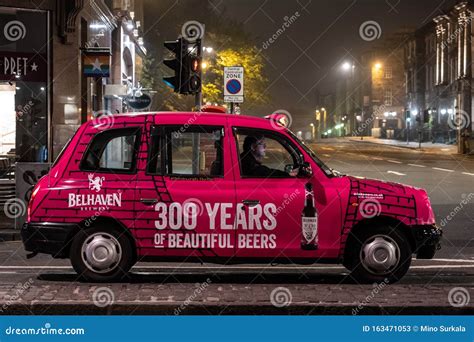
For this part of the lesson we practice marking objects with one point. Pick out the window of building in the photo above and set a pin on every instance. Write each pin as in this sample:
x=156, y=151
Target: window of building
x=112, y=151
x=23, y=86
x=388, y=72
x=388, y=97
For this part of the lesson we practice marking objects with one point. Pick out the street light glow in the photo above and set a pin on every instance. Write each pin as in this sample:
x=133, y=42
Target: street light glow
x=346, y=66
x=378, y=66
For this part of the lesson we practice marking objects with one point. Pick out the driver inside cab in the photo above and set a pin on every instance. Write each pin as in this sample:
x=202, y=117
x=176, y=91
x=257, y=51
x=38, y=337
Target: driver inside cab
x=251, y=159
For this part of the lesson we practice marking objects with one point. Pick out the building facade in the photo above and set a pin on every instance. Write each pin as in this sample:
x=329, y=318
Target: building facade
x=45, y=89
x=370, y=93
x=438, y=67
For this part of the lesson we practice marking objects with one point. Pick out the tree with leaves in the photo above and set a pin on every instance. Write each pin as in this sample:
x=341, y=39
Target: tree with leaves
x=232, y=46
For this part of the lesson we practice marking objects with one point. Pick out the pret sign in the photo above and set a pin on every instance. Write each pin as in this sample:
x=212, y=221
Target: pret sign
x=234, y=84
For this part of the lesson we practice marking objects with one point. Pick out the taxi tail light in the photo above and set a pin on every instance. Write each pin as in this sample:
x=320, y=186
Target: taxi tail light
x=30, y=203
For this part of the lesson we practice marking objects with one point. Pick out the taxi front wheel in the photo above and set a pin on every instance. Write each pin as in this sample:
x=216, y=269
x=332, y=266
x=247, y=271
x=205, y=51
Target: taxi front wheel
x=378, y=254
x=101, y=255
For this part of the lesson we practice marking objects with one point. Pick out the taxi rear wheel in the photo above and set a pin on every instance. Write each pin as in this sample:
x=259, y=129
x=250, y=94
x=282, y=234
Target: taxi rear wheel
x=101, y=255
x=378, y=254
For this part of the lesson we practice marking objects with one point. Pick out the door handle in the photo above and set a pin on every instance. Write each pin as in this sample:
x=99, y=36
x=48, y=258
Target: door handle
x=148, y=201
x=250, y=203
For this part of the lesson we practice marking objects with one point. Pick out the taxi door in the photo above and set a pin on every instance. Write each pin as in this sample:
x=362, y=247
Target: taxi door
x=269, y=206
x=188, y=208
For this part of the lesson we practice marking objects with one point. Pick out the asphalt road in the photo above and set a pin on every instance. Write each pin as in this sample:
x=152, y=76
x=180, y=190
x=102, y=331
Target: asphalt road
x=43, y=285
x=448, y=179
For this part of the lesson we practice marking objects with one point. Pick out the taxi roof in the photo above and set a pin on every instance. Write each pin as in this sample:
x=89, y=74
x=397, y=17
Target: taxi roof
x=207, y=114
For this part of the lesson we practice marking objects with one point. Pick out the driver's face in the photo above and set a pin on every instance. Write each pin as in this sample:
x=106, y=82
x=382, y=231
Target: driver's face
x=259, y=149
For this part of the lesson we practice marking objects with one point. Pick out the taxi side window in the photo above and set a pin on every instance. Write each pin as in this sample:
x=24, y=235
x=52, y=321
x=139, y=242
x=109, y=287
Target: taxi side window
x=194, y=151
x=264, y=154
x=113, y=150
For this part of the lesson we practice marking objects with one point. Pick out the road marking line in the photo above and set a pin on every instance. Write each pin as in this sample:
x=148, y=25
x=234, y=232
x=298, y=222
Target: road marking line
x=416, y=165
x=377, y=158
x=394, y=161
x=449, y=260
x=441, y=169
x=327, y=148
x=441, y=266
x=468, y=173
x=326, y=155
x=397, y=173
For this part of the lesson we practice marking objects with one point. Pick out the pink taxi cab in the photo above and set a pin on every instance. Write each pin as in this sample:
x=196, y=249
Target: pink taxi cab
x=219, y=188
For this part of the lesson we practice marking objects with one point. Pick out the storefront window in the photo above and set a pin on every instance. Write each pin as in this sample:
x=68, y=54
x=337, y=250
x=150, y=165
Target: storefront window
x=24, y=85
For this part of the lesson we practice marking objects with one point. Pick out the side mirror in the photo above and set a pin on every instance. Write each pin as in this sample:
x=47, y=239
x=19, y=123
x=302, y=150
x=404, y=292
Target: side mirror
x=289, y=168
x=305, y=170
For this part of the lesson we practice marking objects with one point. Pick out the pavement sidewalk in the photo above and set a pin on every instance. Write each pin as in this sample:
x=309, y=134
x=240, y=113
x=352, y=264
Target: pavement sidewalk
x=238, y=293
x=425, y=146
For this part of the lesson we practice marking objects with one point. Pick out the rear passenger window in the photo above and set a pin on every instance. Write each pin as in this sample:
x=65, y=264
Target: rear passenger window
x=195, y=151
x=112, y=151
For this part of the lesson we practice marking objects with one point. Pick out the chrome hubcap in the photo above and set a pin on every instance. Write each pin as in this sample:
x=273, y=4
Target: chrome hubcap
x=101, y=252
x=380, y=254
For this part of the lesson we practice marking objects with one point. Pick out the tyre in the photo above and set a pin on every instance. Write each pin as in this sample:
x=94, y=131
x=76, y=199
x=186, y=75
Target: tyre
x=378, y=254
x=101, y=255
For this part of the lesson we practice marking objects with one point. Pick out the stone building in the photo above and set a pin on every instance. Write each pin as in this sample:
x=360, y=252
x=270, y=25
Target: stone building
x=438, y=65
x=370, y=95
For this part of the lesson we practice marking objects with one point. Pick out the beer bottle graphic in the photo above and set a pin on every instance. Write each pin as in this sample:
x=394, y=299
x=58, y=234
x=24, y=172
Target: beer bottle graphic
x=309, y=218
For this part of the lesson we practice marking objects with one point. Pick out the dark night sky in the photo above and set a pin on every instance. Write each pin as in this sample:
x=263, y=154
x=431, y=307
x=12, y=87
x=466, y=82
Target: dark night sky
x=324, y=34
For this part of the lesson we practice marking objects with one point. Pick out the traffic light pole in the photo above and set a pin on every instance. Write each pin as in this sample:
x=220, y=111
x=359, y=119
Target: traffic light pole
x=198, y=96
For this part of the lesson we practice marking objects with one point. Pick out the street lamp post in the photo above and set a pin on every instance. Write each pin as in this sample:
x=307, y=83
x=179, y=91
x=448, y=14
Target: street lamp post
x=318, y=120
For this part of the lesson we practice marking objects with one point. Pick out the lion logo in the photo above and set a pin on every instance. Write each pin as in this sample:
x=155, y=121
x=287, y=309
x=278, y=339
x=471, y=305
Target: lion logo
x=95, y=183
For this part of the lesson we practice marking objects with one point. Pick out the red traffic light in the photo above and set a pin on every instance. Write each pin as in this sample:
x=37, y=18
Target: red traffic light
x=195, y=65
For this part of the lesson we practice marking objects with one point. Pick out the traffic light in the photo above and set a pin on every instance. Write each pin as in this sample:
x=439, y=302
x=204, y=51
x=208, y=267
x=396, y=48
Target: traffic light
x=179, y=49
x=191, y=77
x=186, y=65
